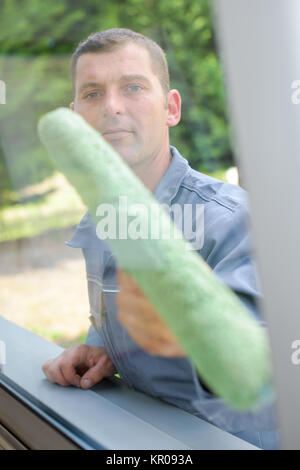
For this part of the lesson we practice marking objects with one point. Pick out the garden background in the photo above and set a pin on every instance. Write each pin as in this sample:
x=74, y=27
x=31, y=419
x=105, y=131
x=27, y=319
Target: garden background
x=42, y=282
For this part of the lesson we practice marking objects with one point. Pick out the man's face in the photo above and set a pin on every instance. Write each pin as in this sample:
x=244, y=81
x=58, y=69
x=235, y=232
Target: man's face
x=119, y=95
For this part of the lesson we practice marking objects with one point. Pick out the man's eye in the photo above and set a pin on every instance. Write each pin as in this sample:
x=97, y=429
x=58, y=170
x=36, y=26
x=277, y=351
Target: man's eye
x=134, y=88
x=93, y=93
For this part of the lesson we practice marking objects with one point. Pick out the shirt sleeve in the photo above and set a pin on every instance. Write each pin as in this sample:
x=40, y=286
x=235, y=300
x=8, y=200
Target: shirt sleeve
x=230, y=256
x=93, y=338
x=228, y=251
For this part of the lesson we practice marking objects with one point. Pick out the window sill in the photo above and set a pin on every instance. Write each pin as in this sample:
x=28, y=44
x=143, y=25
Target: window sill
x=109, y=416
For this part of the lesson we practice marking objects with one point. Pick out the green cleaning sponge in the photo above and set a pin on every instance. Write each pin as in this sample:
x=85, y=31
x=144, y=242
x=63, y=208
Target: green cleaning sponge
x=229, y=349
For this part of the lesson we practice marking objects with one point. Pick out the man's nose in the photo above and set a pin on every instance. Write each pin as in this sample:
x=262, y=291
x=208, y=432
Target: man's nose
x=113, y=102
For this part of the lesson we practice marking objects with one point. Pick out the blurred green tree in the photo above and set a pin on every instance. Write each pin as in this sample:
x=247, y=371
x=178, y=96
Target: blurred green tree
x=36, y=43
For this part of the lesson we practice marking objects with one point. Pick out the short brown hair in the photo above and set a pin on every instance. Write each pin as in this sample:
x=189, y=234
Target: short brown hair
x=110, y=39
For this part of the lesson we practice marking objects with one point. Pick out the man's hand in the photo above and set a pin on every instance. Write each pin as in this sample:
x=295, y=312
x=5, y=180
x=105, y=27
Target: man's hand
x=80, y=365
x=142, y=322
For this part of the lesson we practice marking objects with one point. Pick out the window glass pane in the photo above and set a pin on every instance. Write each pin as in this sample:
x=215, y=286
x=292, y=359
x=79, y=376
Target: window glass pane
x=43, y=284
x=52, y=288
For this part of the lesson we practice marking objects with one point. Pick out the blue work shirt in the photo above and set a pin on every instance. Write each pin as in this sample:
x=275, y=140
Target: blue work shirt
x=227, y=250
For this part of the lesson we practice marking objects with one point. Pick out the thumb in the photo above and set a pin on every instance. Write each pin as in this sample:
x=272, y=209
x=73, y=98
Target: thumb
x=94, y=375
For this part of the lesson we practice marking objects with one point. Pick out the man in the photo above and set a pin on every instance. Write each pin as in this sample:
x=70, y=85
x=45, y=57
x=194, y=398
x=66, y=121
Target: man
x=121, y=87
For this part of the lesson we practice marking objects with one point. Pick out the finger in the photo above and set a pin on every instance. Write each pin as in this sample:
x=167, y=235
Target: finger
x=95, y=374
x=54, y=374
x=69, y=374
x=61, y=380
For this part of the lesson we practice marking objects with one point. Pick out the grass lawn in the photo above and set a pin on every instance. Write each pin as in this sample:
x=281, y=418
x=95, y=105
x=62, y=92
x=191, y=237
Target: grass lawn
x=49, y=205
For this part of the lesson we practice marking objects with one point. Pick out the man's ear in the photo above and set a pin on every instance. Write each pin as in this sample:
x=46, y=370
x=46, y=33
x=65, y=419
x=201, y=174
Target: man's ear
x=72, y=106
x=174, y=108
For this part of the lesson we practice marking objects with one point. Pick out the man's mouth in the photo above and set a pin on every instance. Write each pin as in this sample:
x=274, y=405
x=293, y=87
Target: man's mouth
x=116, y=133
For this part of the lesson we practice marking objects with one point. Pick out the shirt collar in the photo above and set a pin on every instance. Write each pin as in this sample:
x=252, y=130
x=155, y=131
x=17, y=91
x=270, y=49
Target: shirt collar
x=168, y=186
